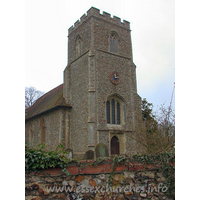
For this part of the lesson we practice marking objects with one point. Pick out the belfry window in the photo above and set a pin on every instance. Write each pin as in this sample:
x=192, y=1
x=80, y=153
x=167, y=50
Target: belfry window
x=114, y=110
x=78, y=46
x=113, y=43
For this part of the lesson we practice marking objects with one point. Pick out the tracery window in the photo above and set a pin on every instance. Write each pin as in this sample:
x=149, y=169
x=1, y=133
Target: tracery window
x=114, y=110
x=113, y=42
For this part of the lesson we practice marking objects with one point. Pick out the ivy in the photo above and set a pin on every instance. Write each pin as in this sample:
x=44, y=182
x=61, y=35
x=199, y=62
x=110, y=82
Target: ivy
x=65, y=171
x=38, y=159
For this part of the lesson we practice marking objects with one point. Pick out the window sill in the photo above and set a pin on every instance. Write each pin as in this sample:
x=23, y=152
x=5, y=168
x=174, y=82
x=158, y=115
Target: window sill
x=115, y=127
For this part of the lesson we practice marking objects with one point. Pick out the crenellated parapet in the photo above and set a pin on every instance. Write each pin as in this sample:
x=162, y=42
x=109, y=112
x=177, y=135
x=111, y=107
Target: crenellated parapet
x=105, y=16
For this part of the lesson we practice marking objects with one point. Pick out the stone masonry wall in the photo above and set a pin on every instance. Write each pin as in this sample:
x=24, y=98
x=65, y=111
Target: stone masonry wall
x=79, y=103
x=87, y=84
x=136, y=181
x=54, y=129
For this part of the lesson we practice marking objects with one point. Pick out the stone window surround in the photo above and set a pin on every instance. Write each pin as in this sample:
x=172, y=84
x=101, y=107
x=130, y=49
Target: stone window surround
x=79, y=45
x=116, y=36
x=121, y=101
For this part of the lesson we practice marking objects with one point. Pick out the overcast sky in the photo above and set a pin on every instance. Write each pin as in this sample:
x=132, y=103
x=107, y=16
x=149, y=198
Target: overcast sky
x=153, y=41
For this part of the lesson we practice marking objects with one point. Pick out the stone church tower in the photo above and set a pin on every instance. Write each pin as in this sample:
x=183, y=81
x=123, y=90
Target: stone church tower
x=100, y=105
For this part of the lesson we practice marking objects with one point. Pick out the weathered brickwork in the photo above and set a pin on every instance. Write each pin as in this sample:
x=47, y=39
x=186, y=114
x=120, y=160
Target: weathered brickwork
x=87, y=87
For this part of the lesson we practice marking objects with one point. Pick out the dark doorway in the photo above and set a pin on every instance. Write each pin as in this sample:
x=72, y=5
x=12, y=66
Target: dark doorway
x=114, y=146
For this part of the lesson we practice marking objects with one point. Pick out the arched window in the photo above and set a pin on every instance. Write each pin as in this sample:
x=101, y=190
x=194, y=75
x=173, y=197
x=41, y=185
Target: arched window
x=115, y=110
x=42, y=131
x=113, y=42
x=78, y=46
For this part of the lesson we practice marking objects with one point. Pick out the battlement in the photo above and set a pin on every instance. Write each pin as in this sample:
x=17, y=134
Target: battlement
x=105, y=16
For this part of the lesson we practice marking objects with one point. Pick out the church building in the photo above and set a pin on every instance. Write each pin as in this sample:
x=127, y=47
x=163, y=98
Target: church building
x=96, y=111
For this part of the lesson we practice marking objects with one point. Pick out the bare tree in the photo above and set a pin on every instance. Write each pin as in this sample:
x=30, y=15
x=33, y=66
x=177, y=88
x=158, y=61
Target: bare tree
x=156, y=133
x=31, y=95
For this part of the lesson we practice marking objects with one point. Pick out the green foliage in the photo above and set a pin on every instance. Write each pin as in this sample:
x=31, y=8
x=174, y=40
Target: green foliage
x=164, y=163
x=146, y=108
x=170, y=179
x=158, y=133
x=65, y=171
x=155, y=159
x=38, y=159
x=148, y=117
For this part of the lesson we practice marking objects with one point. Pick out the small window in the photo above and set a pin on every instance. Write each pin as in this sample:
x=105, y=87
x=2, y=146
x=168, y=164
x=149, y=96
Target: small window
x=113, y=43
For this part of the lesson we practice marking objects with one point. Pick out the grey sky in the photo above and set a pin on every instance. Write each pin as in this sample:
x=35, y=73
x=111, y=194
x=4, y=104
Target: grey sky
x=153, y=42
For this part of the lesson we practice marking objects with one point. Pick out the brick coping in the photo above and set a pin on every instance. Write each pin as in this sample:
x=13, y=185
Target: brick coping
x=83, y=168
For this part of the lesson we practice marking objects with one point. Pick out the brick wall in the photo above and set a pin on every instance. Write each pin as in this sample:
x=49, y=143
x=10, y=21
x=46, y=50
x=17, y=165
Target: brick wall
x=133, y=181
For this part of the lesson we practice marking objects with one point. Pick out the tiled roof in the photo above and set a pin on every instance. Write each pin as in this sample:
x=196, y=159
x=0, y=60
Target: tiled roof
x=48, y=101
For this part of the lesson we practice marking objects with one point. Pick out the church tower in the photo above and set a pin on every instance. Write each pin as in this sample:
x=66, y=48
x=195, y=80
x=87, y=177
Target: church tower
x=100, y=85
